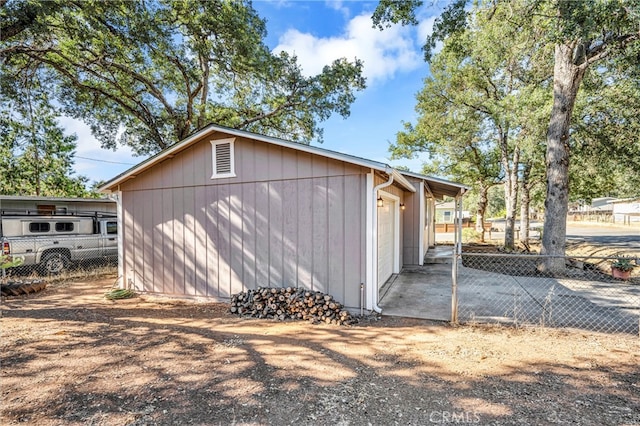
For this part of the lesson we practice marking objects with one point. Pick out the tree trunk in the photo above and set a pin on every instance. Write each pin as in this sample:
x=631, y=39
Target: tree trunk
x=566, y=81
x=510, y=195
x=525, y=201
x=483, y=200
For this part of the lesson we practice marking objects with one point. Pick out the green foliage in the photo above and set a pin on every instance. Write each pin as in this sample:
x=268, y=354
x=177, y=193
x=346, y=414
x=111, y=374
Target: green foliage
x=36, y=157
x=395, y=11
x=623, y=264
x=480, y=109
x=470, y=235
x=498, y=60
x=604, y=141
x=10, y=262
x=147, y=74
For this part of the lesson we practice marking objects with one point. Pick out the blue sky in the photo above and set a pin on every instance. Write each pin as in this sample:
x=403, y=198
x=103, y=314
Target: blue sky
x=319, y=32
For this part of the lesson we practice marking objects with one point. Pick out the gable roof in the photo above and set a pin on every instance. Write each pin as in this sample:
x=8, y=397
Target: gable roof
x=399, y=177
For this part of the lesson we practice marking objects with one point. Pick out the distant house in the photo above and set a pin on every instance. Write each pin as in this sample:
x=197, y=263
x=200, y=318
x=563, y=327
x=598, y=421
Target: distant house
x=446, y=212
x=597, y=205
x=225, y=210
x=626, y=210
x=602, y=204
x=19, y=204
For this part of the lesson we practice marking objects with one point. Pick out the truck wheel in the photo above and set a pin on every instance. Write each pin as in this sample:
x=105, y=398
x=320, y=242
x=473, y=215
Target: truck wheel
x=54, y=263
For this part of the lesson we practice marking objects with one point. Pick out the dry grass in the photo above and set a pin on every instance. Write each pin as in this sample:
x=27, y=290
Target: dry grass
x=71, y=357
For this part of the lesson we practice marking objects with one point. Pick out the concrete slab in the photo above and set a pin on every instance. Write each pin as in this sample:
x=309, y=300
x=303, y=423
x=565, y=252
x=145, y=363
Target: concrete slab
x=425, y=292
x=420, y=292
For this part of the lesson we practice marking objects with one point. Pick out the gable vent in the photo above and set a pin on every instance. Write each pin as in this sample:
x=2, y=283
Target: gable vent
x=223, y=158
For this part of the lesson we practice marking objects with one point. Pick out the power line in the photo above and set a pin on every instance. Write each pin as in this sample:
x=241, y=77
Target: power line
x=104, y=161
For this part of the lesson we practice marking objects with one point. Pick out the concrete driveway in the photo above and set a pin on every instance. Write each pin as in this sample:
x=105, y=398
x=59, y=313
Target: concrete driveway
x=425, y=292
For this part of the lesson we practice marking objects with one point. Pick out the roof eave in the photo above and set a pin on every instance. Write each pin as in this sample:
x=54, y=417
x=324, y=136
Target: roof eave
x=399, y=178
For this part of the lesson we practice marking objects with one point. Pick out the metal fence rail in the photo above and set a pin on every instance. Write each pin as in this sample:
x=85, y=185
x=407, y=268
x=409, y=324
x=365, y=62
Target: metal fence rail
x=513, y=288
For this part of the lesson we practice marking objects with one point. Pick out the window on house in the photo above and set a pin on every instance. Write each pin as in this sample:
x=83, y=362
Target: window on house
x=223, y=158
x=447, y=217
x=39, y=227
x=64, y=226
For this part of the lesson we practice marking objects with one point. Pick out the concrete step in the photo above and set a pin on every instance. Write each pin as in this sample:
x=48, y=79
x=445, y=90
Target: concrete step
x=439, y=255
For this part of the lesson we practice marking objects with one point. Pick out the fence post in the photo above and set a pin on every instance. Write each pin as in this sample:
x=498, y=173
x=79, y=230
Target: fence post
x=457, y=250
x=454, y=287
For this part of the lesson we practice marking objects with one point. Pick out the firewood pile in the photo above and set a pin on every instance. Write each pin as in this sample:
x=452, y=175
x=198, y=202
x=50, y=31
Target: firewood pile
x=290, y=304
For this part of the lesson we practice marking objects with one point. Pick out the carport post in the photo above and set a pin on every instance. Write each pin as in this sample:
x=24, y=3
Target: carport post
x=457, y=249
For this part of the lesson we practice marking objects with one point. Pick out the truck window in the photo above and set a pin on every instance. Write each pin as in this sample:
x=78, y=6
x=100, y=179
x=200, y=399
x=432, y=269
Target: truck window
x=64, y=226
x=112, y=227
x=39, y=227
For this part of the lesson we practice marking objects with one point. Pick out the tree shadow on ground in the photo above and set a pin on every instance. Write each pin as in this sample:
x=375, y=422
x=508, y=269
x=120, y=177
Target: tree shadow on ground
x=193, y=364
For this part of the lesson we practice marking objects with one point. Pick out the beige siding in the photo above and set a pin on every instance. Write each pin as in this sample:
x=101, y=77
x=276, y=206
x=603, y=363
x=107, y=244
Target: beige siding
x=411, y=228
x=288, y=219
x=255, y=162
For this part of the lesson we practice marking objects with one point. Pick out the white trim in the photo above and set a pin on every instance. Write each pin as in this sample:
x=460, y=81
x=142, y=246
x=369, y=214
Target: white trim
x=421, y=219
x=372, y=291
x=370, y=264
x=120, y=225
x=396, y=229
x=437, y=180
x=214, y=144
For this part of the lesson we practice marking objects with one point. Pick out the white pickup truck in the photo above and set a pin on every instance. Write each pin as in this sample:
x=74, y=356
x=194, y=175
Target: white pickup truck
x=53, y=243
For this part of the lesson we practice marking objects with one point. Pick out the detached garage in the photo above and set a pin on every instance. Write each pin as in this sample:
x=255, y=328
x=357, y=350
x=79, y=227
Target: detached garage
x=225, y=211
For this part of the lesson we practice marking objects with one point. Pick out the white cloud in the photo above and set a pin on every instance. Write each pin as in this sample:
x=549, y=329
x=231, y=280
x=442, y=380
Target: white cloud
x=339, y=6
x=425, y=28
x=384, y=53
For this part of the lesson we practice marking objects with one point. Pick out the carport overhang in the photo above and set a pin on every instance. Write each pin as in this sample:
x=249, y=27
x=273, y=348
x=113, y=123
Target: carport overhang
x=439, y=188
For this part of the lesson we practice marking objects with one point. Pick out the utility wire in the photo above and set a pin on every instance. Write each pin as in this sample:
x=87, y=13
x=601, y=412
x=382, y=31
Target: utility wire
x=103, y=161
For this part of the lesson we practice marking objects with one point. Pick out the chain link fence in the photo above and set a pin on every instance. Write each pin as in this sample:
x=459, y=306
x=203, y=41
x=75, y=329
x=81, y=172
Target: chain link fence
x=515, y=289
x=80, y=256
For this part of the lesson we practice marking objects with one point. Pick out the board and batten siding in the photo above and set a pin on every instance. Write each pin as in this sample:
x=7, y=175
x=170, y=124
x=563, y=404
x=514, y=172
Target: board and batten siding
x=288, y=218
x=411, y=228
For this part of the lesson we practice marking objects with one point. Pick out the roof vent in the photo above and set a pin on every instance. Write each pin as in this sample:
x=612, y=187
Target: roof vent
x=223, y=158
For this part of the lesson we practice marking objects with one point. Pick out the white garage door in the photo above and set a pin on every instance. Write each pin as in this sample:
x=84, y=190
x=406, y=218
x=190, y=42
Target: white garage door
x=385, y=241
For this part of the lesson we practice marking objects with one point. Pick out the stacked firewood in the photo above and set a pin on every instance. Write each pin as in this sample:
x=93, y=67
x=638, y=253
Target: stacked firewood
x=290, y=304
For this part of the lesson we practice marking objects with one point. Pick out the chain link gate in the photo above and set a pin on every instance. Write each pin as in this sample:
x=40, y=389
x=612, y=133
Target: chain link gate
x=513, y=289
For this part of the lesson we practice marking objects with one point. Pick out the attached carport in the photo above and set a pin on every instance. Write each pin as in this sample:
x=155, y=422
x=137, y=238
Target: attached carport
x=421, y=208
x=426, y=274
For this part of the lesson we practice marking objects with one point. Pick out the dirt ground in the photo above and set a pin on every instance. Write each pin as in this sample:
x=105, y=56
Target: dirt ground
x=69, y=356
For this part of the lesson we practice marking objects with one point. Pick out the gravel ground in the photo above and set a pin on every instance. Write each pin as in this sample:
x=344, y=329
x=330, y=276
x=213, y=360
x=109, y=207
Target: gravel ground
x=70, y=357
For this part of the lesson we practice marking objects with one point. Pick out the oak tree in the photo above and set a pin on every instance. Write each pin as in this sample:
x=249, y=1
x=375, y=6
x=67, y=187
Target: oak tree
x=148, y=74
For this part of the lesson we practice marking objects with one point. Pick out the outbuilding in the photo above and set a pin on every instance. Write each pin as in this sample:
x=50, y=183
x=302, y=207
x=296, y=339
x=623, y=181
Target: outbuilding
x=225, y=210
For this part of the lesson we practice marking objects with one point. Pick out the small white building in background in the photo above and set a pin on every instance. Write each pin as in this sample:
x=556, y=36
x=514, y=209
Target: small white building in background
x=446, y=212
x=626, y=210
x=597, y=205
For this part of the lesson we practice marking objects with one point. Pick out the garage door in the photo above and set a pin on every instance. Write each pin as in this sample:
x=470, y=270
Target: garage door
x=385, y=241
